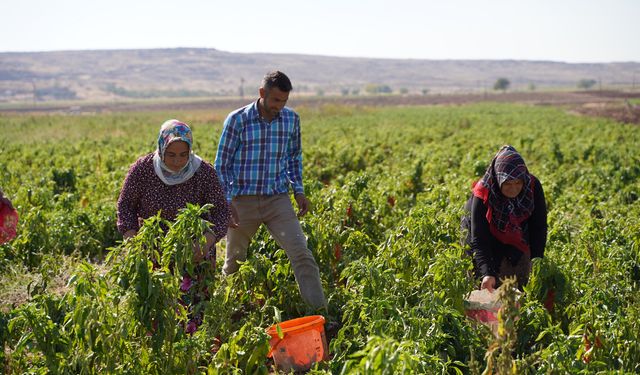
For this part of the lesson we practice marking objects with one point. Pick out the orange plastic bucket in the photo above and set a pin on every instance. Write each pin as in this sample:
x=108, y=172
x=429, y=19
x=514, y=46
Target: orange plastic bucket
x=303, y=343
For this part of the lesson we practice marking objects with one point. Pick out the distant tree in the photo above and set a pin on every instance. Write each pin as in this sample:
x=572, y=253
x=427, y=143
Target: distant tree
x=371, y=89
x=355, y=92
x=586, y=83
x=532, y=86
x=501, y=84
x=55, y=92
x=404, y=91
x=425, y=91
x=375, y=88
x=384, y=89
x=344, y=91
x=320, y=92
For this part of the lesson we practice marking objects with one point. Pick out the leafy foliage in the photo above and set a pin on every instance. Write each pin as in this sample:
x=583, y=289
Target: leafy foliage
x=388, y=186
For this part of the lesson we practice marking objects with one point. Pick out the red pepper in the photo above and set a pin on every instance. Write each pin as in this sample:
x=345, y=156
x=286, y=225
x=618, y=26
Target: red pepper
x=549, y=300
x=391, y=200
x=586, y=342
x=337, y=251
x=588, y=350
x=598, y=342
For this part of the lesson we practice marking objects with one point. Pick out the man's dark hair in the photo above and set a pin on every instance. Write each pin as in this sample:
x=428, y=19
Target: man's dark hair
x=277, y=79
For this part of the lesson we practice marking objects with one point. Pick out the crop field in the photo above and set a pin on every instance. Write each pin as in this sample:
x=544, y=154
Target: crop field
x=387, y=186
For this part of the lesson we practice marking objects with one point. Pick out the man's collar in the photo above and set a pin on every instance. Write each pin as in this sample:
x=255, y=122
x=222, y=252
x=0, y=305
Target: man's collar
x=255, y=111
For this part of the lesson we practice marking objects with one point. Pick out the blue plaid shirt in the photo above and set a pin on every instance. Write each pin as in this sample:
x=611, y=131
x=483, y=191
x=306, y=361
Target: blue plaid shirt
x=259, y=158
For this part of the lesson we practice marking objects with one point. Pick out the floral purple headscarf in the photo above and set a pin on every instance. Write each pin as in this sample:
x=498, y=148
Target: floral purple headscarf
x=172, y=131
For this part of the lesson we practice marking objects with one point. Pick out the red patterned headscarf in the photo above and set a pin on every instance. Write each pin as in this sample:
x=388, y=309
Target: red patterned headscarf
x=506, y=215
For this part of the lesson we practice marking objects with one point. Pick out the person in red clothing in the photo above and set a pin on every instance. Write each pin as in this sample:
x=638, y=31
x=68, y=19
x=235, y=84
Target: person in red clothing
x=165, y=181
x=4, y=200
x=8, y=219
x=507, y=224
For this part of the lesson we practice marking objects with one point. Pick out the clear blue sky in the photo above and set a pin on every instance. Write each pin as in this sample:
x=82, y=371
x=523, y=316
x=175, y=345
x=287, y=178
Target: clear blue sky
x=558, y=30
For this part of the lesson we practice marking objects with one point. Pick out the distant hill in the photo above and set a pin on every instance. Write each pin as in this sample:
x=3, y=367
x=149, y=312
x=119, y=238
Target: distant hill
x=191, y=72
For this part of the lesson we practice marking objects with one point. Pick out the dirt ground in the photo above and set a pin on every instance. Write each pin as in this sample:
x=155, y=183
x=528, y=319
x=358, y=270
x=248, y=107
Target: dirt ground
x=621, y=106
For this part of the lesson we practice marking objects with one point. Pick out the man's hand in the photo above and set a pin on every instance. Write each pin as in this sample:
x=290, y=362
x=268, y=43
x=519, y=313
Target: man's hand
x=303, y=204
x=234, y=221
x=489, y=283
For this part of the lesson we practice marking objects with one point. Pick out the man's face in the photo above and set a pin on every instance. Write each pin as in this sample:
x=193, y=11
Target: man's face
x=273, y=100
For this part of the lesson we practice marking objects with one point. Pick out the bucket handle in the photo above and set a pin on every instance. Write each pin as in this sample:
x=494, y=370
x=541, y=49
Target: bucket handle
x=270, y=354
x=278, y=330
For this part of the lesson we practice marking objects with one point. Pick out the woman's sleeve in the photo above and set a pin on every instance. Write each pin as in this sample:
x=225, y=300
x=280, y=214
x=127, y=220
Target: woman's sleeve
x=129, y=201
x=481, y=239
x=538, y=222
x=220, y=213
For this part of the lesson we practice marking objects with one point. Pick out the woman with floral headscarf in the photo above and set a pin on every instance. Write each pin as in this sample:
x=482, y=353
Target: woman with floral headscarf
x=169, y=178
x=508, y=221
x=166, y=180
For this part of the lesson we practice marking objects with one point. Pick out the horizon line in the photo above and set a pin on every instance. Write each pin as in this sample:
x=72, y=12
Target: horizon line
x=319, y=55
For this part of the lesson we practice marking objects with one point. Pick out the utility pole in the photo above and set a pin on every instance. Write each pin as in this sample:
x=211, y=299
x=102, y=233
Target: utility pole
x=241, y=91
x=33, y=84
x=600, y=84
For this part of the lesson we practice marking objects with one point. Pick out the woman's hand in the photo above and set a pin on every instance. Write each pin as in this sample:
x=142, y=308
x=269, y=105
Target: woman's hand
x=211, y=241
x=198, y=254
x=489, y=283
x=211, y=247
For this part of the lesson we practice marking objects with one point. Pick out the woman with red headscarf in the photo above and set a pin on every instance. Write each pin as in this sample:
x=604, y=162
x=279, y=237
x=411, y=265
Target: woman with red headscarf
x=508, y=221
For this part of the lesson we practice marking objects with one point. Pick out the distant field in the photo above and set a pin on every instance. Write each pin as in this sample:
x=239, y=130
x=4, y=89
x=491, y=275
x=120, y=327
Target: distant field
x=387, y=185
x=595, y=103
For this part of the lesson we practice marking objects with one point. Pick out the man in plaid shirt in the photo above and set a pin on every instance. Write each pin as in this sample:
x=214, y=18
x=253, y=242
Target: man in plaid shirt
x=259, y=156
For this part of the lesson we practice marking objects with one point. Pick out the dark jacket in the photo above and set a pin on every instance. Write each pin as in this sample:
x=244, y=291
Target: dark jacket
x=487, y=251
